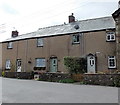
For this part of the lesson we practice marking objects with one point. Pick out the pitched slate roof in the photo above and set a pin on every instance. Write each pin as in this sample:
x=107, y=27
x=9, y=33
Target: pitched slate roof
x=78, y=26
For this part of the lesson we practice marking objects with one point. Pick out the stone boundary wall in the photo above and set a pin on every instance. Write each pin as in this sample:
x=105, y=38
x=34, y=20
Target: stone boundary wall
x=54, y=77
x=88, y=79
x=102, y=79
x=19, y=75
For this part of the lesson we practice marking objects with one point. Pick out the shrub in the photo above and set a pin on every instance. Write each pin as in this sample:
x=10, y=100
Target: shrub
x=75, y=64
x=3, y=74
x=68, y=80
x=116, y=81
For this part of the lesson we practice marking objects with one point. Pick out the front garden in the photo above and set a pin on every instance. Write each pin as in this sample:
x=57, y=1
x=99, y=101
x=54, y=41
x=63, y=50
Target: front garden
x=77, y=73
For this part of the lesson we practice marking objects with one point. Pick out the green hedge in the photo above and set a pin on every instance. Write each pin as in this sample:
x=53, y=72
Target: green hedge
x=75, y=64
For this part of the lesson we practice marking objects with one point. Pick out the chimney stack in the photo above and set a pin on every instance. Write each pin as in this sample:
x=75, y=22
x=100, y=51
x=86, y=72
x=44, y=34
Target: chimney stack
x=71, y=18
x=14, y=34
x=119, y=4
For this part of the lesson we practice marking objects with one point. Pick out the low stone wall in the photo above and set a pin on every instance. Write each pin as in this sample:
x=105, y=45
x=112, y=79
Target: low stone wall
x=53, y=77
x=102, y=79
x=20, y=75
x=77, y=77
x=91, y=79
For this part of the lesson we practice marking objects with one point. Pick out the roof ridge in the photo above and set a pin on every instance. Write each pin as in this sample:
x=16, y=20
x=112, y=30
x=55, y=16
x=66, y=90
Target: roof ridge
x=75, y=21
x=95, y=18
x=51, y=26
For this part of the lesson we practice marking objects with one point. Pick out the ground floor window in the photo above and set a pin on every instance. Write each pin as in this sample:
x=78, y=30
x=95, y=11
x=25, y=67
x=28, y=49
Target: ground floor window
x=40, y=62
x=8, y=65
x=111, y=62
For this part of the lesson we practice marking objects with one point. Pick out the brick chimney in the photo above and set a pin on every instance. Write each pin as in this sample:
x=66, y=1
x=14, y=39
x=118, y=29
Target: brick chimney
x=119, y=4
x=71, y=18
x=14, y=34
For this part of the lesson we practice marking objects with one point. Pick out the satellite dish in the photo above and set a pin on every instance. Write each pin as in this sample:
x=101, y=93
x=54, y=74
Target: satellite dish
x=76, y=27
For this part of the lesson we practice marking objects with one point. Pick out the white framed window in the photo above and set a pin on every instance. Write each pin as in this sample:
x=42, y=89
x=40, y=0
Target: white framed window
x=110, y=36
x=76, y=39
x=39, y=42
x=10, y=45
x=40, y=62
x=111, y=62
x=8, y=65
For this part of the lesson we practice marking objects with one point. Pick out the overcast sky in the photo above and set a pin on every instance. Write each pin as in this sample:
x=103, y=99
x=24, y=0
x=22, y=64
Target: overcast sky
x=29, y=15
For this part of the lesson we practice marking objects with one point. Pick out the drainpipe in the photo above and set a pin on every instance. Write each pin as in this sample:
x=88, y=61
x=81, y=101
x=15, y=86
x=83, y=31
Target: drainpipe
x=118, y=42
x=26, y=53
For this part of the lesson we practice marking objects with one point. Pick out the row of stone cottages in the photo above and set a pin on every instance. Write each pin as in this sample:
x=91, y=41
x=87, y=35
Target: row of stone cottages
x=95, y=39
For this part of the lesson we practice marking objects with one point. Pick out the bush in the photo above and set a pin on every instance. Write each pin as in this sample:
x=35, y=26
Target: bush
x=75, y=64
x=116, y=81
x=3, y=74
x=68, y=80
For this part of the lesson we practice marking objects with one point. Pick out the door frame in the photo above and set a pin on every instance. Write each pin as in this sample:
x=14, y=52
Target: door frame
x=94, y=61
x=17, y=65
x=51, y=58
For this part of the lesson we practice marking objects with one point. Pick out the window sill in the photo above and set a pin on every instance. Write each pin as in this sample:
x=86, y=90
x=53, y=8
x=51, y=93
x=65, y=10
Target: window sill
x=7, y=69
x=9, y=48
x=112, y=68
x=39, y=68
x=39, y=46
x=110, y=40
x=75, y=43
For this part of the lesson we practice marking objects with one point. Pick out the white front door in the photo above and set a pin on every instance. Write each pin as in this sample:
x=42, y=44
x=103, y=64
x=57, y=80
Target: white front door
x=91, y=63
x=19, y=64
x=53, y=64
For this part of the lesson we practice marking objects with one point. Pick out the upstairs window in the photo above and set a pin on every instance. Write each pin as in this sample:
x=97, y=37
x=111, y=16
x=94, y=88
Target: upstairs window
x=110, y=36
x=8, y=65
x=76, y=39
x=111, y=62
x=39, y=42
x=10, y=45
x=40, y=62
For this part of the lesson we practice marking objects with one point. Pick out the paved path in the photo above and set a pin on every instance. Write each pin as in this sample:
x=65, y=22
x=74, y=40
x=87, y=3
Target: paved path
x=30, y=91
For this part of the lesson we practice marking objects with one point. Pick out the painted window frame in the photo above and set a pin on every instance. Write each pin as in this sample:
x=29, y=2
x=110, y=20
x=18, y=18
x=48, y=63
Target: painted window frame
x=10, y=45
x=111, y=59
x=111, y=35
x=76, y=39
x=8, y=64
x=40, y=42
x=38, y=62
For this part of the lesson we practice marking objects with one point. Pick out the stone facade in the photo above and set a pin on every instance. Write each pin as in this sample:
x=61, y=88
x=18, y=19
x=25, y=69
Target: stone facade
x=116, y=16
x=64, y=40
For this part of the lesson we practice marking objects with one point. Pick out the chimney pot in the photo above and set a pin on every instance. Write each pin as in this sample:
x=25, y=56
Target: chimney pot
x=14, y=34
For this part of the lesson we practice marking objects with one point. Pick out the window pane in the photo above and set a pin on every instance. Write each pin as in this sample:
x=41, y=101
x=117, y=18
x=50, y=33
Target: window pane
x=112, y=62
x=39, y=42
x=110, y=36
x=10, y=45
x=76, y=39
x=8, y=64
x=40, y=62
